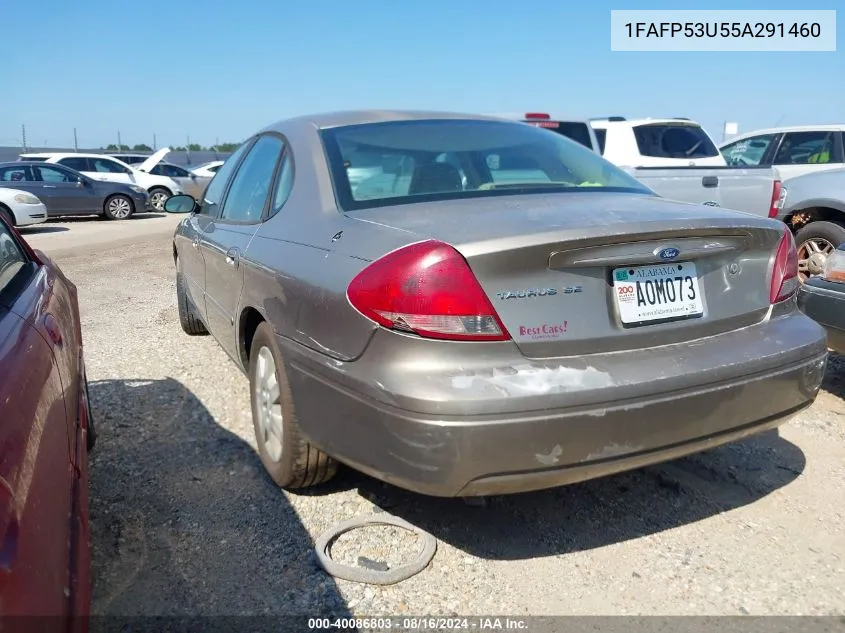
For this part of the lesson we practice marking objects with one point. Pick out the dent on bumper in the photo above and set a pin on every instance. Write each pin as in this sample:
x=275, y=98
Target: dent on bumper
x=596, y=426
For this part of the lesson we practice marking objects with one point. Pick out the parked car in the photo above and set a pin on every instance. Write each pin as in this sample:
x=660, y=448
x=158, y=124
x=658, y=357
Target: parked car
x=110, y=169
x=578, y=130
x=191, y=183
x=45, y=436
x=793, y=150
x=471, y=323
x=814, y=207
x=823, y=299
x=207, y=170
x=756, y=190
x=21, y=208
x=677, y=142
x=65, y=191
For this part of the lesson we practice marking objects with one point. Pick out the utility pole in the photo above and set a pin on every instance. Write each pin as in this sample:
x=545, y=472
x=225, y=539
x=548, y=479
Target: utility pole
x=188, y=148
x=75, y=141
x=155, y=146
x=119, y=144
x=23, y=136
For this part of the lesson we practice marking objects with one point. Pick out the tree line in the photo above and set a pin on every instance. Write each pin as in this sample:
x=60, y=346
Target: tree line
x=193, y=147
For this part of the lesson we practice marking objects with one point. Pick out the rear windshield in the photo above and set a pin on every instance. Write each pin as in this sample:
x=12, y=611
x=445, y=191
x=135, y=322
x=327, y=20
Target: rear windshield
x=401, y=162
x=674, y=140
x=579, y=132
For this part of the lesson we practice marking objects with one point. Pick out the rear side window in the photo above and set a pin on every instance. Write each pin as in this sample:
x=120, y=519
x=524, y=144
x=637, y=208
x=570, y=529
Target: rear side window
x=15, y=174
x=806, y=148
x=78, y=163
x=667, y=140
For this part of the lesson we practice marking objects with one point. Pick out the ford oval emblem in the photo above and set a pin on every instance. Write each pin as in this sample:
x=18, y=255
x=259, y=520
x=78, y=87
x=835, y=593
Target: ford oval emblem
x=667, y=254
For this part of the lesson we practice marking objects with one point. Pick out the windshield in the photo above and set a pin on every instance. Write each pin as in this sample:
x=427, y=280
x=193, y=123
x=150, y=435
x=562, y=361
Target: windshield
x=402, y=162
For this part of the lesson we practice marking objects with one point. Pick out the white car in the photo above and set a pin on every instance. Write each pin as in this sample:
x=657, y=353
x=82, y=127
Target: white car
x=656, y=143
x=20, y=208
x=208, y=169
x=794, y=151
x=108, y=168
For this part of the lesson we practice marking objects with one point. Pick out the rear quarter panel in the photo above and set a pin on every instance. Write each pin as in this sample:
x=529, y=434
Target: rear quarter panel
x=301, y=260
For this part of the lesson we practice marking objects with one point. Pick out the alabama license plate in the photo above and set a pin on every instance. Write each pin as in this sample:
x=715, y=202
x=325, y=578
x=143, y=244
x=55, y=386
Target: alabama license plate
x=658, y=292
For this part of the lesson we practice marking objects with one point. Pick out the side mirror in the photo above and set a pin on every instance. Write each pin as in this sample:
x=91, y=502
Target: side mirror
x=182, y=203
x=80, y=182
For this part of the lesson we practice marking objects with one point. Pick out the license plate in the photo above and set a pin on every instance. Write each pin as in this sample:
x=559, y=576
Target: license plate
x=656, y=293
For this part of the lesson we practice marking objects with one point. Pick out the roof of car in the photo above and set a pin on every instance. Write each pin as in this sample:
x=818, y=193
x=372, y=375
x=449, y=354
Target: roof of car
x=30, y=163
x=360, y=117
x=65, y=155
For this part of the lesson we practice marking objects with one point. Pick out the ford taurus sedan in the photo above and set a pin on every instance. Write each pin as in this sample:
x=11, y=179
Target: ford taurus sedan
x=492, y=309
x=46, y=432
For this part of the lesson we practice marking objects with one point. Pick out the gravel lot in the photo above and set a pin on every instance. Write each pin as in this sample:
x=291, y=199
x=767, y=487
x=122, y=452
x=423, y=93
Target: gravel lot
x=185, y=522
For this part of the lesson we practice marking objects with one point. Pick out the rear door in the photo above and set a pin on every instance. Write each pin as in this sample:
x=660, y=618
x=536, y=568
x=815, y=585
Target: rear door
x=36, y=472
x=224, y=246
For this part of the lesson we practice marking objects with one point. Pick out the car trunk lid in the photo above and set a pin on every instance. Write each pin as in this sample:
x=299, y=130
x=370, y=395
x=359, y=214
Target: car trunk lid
x=562, y=270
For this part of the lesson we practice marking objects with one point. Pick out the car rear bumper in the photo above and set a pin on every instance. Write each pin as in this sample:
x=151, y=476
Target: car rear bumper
x=824, y=302
x=444, y=432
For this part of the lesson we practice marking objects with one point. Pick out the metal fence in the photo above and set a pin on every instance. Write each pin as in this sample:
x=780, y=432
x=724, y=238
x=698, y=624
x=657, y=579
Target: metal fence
x=186, y=159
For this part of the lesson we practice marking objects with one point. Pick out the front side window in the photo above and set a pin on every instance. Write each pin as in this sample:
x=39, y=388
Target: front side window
x=210, y=204
x=171, y=171
x=805, y=148
x=748, y=152
x=104, y=165
x=674, y=140
x=79, y=163
x=52, y=174
x=250, y=188
x=401, y=162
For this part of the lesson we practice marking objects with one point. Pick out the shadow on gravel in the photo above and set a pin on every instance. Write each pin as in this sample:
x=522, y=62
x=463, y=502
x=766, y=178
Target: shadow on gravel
x=601, y=512
x=41, y=229
x=183, y=520
x=834, y=376
x=81, y=219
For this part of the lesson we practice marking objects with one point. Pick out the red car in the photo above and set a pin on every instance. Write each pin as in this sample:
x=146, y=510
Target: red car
x=46, y=432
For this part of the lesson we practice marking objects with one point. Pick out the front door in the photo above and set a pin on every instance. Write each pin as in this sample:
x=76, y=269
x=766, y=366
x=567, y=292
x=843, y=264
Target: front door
x=65, y=192
x=224, y=248
x=110, y=170
x=198, y=226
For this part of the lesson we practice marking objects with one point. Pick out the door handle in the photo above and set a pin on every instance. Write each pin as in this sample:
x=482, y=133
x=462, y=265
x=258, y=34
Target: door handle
x=710, y=181
x=49, y=186
x=233, y=256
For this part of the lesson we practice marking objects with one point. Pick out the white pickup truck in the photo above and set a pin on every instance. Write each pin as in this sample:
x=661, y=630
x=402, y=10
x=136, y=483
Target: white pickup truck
x=755, y=190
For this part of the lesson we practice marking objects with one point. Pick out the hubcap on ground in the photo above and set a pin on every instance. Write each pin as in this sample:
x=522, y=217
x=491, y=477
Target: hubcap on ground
x=157, y=200
x=119, y=207
x=268, y=404
x=812, y=256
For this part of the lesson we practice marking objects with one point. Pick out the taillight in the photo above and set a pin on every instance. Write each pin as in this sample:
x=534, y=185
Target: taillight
x=778, y=199
x=428, y=289
x=785, y=280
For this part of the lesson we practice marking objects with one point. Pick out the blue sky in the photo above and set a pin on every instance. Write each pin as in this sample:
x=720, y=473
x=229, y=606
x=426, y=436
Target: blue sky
x=220, y=69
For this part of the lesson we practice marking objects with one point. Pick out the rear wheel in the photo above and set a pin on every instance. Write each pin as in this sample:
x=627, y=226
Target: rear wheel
x=118, y=207
x=188, y=316
x=6, y=214
x=158, y=196
x=286, y=455
x=815, y=242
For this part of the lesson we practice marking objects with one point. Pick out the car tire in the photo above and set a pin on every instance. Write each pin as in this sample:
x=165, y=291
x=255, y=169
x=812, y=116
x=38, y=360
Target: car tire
x=188, y=317
x=91, y=436
x=815, y=238
x=118, y=207
x=7, y=215
x=290, y=460
x=158, y=196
